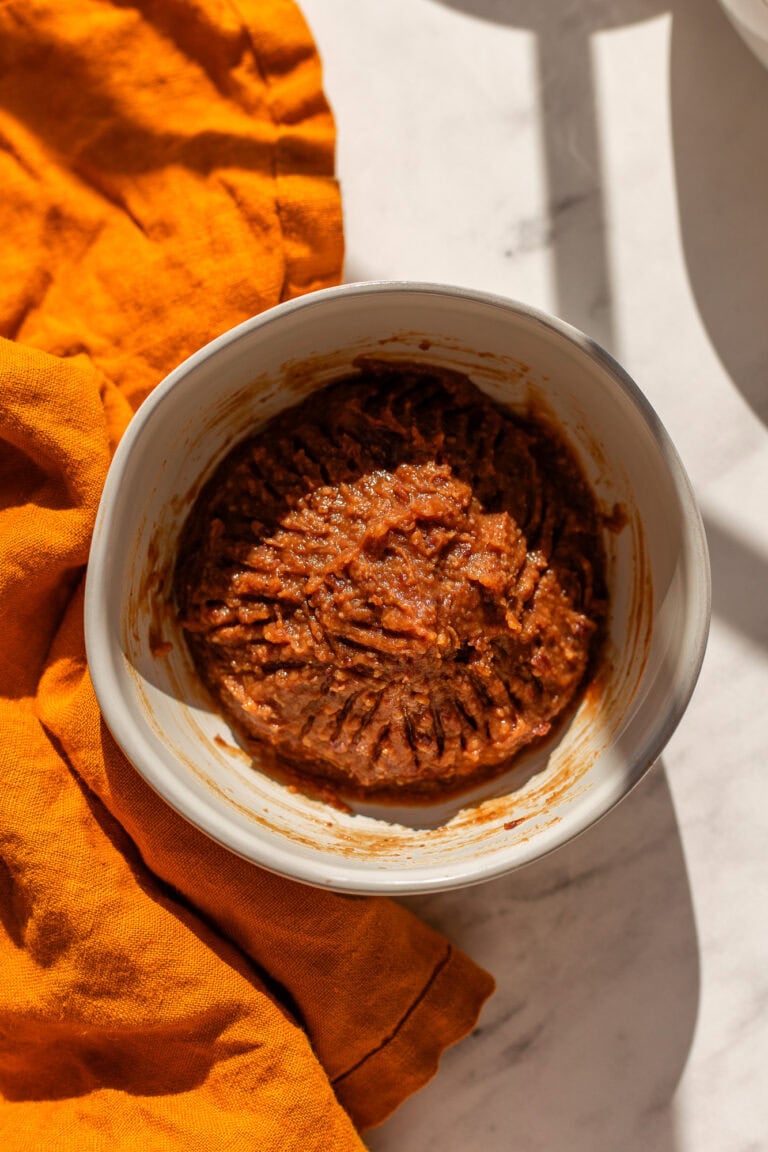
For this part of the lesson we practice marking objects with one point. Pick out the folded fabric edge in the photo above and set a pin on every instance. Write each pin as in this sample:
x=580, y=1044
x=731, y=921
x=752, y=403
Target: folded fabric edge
x=444, y=1013
x=308, y=196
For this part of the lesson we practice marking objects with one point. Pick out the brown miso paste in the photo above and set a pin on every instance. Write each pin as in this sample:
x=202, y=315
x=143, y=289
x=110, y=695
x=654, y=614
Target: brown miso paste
x=395, y=586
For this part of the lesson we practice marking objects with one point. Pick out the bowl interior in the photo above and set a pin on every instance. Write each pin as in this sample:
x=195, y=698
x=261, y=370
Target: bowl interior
x=164, y=720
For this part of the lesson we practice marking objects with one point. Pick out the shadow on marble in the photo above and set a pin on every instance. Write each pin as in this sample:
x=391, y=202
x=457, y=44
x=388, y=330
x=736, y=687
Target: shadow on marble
x=718, y=95
x=739, y=581
x=570, y=144
x=596, y=957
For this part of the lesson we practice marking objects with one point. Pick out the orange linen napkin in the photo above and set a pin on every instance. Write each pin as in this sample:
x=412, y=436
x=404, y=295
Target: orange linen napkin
x=166, y=169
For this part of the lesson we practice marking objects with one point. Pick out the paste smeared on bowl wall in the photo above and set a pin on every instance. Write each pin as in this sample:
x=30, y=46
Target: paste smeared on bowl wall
x=397, y=585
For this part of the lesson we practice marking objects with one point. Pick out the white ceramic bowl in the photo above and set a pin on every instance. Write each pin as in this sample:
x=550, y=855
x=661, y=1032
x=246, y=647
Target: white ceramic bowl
x=658, y=577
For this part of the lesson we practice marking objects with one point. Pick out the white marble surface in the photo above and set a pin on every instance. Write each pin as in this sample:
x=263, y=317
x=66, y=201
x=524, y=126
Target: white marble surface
x=608, y=161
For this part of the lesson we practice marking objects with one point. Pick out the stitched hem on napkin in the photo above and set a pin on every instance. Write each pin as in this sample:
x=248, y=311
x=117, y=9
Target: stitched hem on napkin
x=409, y=1056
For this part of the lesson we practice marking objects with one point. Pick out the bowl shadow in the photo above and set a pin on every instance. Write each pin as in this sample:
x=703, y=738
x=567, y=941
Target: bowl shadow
x=595, y=952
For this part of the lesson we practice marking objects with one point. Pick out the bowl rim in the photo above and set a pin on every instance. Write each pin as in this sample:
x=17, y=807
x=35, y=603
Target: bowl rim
x=327, y=870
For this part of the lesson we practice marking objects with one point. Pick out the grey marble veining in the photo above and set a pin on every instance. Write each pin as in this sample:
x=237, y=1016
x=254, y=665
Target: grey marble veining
x=606, y=160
